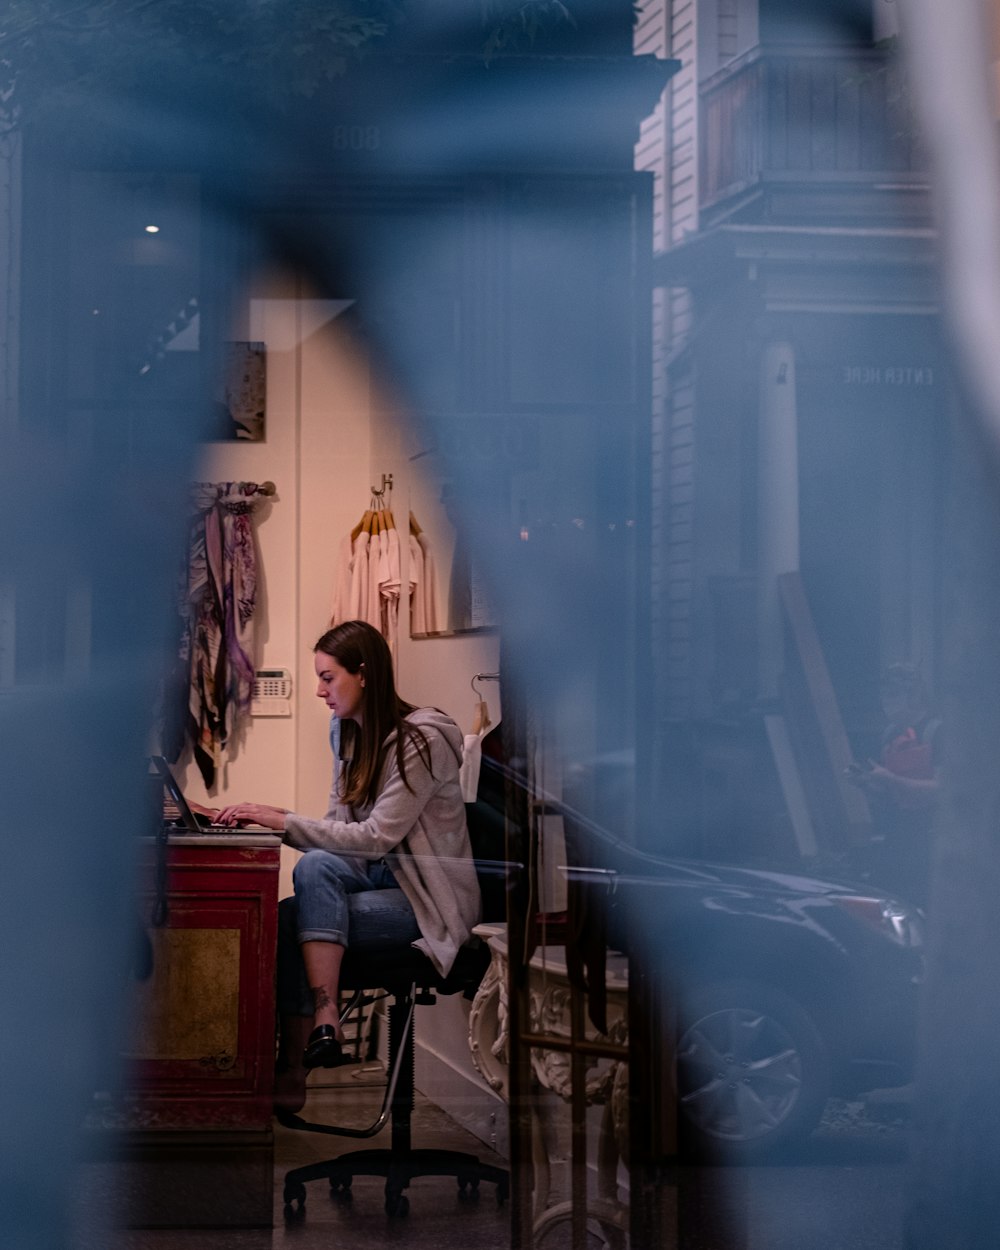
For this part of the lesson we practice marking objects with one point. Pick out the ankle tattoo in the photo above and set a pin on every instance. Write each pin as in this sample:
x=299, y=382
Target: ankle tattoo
x=321, y=997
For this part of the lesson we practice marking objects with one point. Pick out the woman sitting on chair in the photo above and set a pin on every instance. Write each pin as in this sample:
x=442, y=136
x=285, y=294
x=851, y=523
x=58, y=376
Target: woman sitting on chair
x=389, y=865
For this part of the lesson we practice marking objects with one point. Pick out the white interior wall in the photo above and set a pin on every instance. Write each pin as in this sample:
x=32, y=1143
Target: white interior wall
x=326, y=445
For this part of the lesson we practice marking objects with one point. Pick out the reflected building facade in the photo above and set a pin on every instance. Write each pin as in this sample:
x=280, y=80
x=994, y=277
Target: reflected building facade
x=801, y=407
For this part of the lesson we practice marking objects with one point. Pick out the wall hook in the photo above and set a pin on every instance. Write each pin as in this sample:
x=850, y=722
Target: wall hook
x=386, y=485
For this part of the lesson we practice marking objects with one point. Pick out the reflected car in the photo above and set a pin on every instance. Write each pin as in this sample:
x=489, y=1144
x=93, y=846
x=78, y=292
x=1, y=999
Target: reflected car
x=788, y=989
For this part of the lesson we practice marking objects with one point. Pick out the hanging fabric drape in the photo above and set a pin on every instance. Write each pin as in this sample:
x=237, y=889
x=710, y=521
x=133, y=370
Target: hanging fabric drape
x=217, y=603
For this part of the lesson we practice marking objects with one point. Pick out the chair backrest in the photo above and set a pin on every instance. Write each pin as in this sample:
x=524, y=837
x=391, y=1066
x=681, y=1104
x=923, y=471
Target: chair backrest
x=487, y=833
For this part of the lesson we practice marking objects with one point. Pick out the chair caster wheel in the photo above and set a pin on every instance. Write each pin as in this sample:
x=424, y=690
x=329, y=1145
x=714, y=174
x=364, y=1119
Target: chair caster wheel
x=295, y=1203
x=341, y=1191
x=295, y=1193
x=397, y=1204
x=468, y=1191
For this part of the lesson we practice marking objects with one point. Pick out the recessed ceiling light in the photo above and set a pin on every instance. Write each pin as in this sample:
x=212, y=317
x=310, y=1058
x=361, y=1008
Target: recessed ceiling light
x=152, y=229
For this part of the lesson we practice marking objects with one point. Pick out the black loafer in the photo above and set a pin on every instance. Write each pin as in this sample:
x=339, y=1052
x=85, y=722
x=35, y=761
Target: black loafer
x=323, y=1050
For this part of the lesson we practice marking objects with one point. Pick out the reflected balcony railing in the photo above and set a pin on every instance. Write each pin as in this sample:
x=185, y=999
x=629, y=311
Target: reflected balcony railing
x=799, y=116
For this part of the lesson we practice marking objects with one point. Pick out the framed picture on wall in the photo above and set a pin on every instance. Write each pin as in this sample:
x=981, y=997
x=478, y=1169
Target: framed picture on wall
x=242, y=395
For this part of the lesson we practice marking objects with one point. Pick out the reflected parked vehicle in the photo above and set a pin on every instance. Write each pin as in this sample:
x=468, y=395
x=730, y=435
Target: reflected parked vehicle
x=788, y=989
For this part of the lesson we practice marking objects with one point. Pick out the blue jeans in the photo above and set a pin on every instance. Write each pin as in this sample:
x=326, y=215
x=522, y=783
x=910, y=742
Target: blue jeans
x=352, y=902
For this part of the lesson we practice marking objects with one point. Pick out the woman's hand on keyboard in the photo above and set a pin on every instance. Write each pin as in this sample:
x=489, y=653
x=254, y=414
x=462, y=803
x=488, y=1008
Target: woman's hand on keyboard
x=200, y=810
x=253, y=814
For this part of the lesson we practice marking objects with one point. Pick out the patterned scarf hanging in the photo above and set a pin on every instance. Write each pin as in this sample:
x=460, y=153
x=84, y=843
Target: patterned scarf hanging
x=217, y=603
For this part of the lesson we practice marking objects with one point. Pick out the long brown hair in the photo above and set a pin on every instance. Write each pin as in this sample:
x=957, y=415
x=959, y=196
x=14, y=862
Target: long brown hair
x=356, y=645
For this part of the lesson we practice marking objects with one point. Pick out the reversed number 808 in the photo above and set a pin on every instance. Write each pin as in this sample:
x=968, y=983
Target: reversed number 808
x=355, y=138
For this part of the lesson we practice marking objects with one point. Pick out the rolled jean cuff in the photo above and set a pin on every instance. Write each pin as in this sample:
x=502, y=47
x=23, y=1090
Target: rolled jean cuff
x=337, y=936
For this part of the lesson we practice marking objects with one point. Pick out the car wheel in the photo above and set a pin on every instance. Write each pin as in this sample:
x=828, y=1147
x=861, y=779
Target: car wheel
x=753, y=1072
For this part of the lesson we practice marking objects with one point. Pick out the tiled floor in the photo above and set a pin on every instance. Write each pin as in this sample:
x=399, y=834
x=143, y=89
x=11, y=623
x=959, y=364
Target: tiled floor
x=438, y=1218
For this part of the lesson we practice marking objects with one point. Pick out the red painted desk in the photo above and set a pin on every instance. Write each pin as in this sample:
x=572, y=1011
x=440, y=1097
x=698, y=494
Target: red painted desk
x=201, y=1061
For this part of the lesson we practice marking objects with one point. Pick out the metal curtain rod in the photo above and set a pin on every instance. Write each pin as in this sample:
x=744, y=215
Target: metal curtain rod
x=244, y=488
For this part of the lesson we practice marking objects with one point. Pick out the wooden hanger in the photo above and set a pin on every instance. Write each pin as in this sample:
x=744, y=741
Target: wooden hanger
x=481, y=718
x=363, y=524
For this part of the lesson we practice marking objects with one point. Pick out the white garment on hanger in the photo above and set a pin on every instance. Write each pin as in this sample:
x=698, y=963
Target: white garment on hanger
x=359, y=577
x=472, y=753
x=368, y=578
x=389, y=587
x=424, y=616
x=373, y=596
x=472, y=762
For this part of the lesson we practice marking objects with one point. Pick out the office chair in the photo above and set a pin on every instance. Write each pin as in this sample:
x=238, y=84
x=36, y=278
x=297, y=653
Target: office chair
x=408, y=978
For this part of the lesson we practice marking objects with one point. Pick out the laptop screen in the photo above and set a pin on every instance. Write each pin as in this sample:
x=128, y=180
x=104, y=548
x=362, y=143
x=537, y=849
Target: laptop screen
x=176, y=793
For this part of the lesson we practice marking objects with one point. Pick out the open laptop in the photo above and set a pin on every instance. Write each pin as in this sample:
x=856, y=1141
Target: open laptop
x=189, y=822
